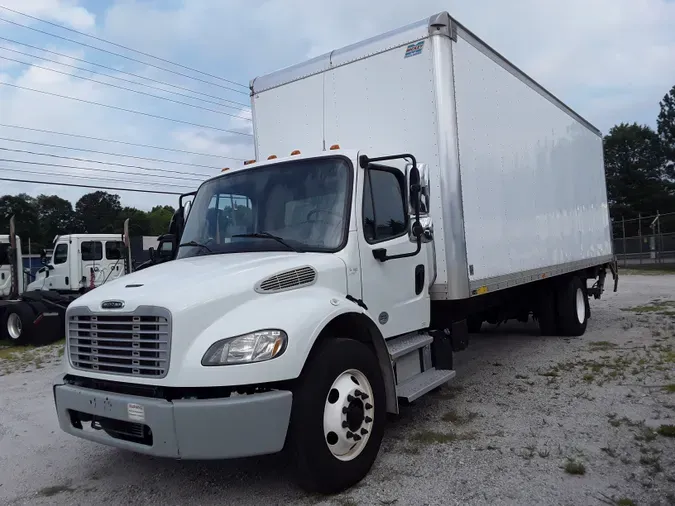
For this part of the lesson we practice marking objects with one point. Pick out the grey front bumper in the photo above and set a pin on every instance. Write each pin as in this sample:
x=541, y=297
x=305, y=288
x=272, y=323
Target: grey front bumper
x=232, y=427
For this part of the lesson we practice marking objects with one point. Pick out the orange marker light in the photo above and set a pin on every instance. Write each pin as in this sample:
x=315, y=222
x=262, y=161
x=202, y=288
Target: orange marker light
x=271, y=157
x=248, y=162
x=335, y=146
x=226, y=168
x=295, y=152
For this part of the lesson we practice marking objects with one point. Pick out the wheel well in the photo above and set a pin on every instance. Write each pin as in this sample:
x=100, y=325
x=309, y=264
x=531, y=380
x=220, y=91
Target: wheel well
x=360, y=327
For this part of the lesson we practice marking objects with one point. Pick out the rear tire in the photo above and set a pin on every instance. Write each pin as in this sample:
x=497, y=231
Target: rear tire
x=329, y=412
x=17, y=324
x=573, y=307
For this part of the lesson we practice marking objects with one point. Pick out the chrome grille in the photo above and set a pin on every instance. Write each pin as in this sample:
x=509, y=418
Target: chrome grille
x=128, y=344
x=287, y=280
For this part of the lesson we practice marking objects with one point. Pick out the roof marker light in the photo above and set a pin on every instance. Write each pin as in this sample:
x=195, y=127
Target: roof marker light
x=271, y=157
x=295, y=152
x=335, y=146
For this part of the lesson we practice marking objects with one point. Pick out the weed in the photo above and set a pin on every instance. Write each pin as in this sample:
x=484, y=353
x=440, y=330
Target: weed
x=667, y=430
x=614, y=422
x=588, y=378
x=544, y=453
x=646, y=434
x=522, y=377
x=575, y=467
x=655, y=307
x=669, y=388
x=624, y=501
x=609, y=451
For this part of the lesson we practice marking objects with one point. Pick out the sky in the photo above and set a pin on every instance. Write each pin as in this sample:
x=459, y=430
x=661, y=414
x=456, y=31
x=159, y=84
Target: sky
x=610, y=60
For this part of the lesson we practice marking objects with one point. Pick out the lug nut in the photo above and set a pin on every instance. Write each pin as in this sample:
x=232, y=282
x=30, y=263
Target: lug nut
x=350, y=398
x=368, y=419
x=358, y=393
x=357, y=437
x=344, y=411
x=345, y=425
x=350, y=435
x=364, y=432
x=368, y=406
x=364, y=396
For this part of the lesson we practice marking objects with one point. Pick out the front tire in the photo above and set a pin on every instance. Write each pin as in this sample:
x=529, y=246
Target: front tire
x=338, y=416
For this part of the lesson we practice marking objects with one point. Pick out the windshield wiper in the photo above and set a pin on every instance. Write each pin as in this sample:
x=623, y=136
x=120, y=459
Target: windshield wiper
x=196, y=244
x=267, y=235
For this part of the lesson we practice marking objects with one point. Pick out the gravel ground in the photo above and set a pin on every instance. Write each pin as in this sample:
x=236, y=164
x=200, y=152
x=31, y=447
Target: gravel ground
x=522, y=416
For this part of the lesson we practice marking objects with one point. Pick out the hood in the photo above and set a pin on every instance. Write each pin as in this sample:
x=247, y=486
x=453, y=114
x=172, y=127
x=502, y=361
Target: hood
x=187, y=282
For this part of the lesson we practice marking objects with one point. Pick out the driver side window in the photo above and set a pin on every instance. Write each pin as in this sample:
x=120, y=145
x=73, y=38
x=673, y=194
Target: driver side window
x=384, y=215
x=61, y=254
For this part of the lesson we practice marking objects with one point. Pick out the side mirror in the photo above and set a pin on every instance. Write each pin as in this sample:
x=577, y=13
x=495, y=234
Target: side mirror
x=151, y=252
x=414, y=189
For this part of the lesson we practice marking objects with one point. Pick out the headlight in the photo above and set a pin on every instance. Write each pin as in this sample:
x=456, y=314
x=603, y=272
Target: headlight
x=254, y=347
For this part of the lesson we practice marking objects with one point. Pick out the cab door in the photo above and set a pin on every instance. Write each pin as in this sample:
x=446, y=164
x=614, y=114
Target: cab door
x=92, y=266
x=113, y=264
x=57, y=275
x=395, y=291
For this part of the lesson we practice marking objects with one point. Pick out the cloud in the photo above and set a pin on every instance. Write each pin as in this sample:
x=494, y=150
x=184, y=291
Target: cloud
x=61, y=11
x=611, y=60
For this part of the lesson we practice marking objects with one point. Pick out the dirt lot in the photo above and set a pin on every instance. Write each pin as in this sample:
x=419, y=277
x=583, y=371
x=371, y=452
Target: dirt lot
x=528, y=420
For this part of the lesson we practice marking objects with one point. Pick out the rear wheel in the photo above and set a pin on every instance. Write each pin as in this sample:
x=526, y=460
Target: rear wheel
x=338, y=416
x=17, y=324
x=573, y=307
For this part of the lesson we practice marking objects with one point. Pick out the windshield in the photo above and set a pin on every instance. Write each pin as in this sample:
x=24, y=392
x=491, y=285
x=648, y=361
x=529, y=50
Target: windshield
x=304, y=203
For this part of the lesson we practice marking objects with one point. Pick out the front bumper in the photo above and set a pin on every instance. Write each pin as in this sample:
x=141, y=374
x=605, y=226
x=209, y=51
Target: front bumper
x=239, y=426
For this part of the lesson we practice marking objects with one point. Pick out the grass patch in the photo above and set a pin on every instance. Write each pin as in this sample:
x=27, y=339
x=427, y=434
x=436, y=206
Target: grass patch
x=624, y=501
x=457, y=419
x=601, y=345
x=429, y=437
x=666, y=430
x=575, y=467
x=669, y=388
x=658, y=307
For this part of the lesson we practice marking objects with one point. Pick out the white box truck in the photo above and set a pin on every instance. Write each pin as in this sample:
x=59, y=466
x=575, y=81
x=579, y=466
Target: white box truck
x=407, y=189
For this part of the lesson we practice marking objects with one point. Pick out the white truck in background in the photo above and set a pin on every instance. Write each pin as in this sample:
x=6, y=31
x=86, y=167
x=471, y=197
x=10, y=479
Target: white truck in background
x=407, y=189
x=34, y=312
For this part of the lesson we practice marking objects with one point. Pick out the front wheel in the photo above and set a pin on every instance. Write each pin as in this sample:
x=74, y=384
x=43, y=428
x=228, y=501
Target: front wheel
x=17, y=324
x=338, y=416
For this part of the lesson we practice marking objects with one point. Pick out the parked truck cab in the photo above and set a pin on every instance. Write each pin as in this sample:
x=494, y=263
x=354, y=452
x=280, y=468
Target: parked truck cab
x=80, y=262
x=396, y=203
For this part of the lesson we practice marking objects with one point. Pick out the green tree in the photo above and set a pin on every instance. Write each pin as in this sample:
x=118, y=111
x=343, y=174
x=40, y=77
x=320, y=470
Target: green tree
x=139, y=221
x=160, y=216
x=666, y=128
x=56, y=217
x=24, y=210
x=98, y=212
x=635, y=165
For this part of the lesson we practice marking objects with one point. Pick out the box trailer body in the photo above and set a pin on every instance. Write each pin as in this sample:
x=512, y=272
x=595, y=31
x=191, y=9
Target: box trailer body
x=406, y=190
x=517, y=178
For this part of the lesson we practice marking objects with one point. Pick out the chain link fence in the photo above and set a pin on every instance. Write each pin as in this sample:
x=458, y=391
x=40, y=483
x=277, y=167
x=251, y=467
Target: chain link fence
x=646, y=240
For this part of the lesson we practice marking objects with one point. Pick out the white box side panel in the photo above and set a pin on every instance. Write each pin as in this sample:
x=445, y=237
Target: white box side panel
x=383, y=105
x=533, y=182
x=289, y=117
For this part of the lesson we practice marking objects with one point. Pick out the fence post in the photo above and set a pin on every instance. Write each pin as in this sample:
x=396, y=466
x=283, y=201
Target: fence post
x=623, y=228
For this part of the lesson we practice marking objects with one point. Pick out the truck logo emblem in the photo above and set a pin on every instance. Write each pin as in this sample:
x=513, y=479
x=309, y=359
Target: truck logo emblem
x=414, y=49
x=383, y=318
x=112, y=304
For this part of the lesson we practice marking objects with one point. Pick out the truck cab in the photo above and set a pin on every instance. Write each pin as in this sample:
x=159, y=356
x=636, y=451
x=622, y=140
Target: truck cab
x=80, y=262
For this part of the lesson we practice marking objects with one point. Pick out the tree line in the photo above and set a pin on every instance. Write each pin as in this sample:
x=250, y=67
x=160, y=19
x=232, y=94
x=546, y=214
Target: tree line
x=639, y=165
x=46, y=216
